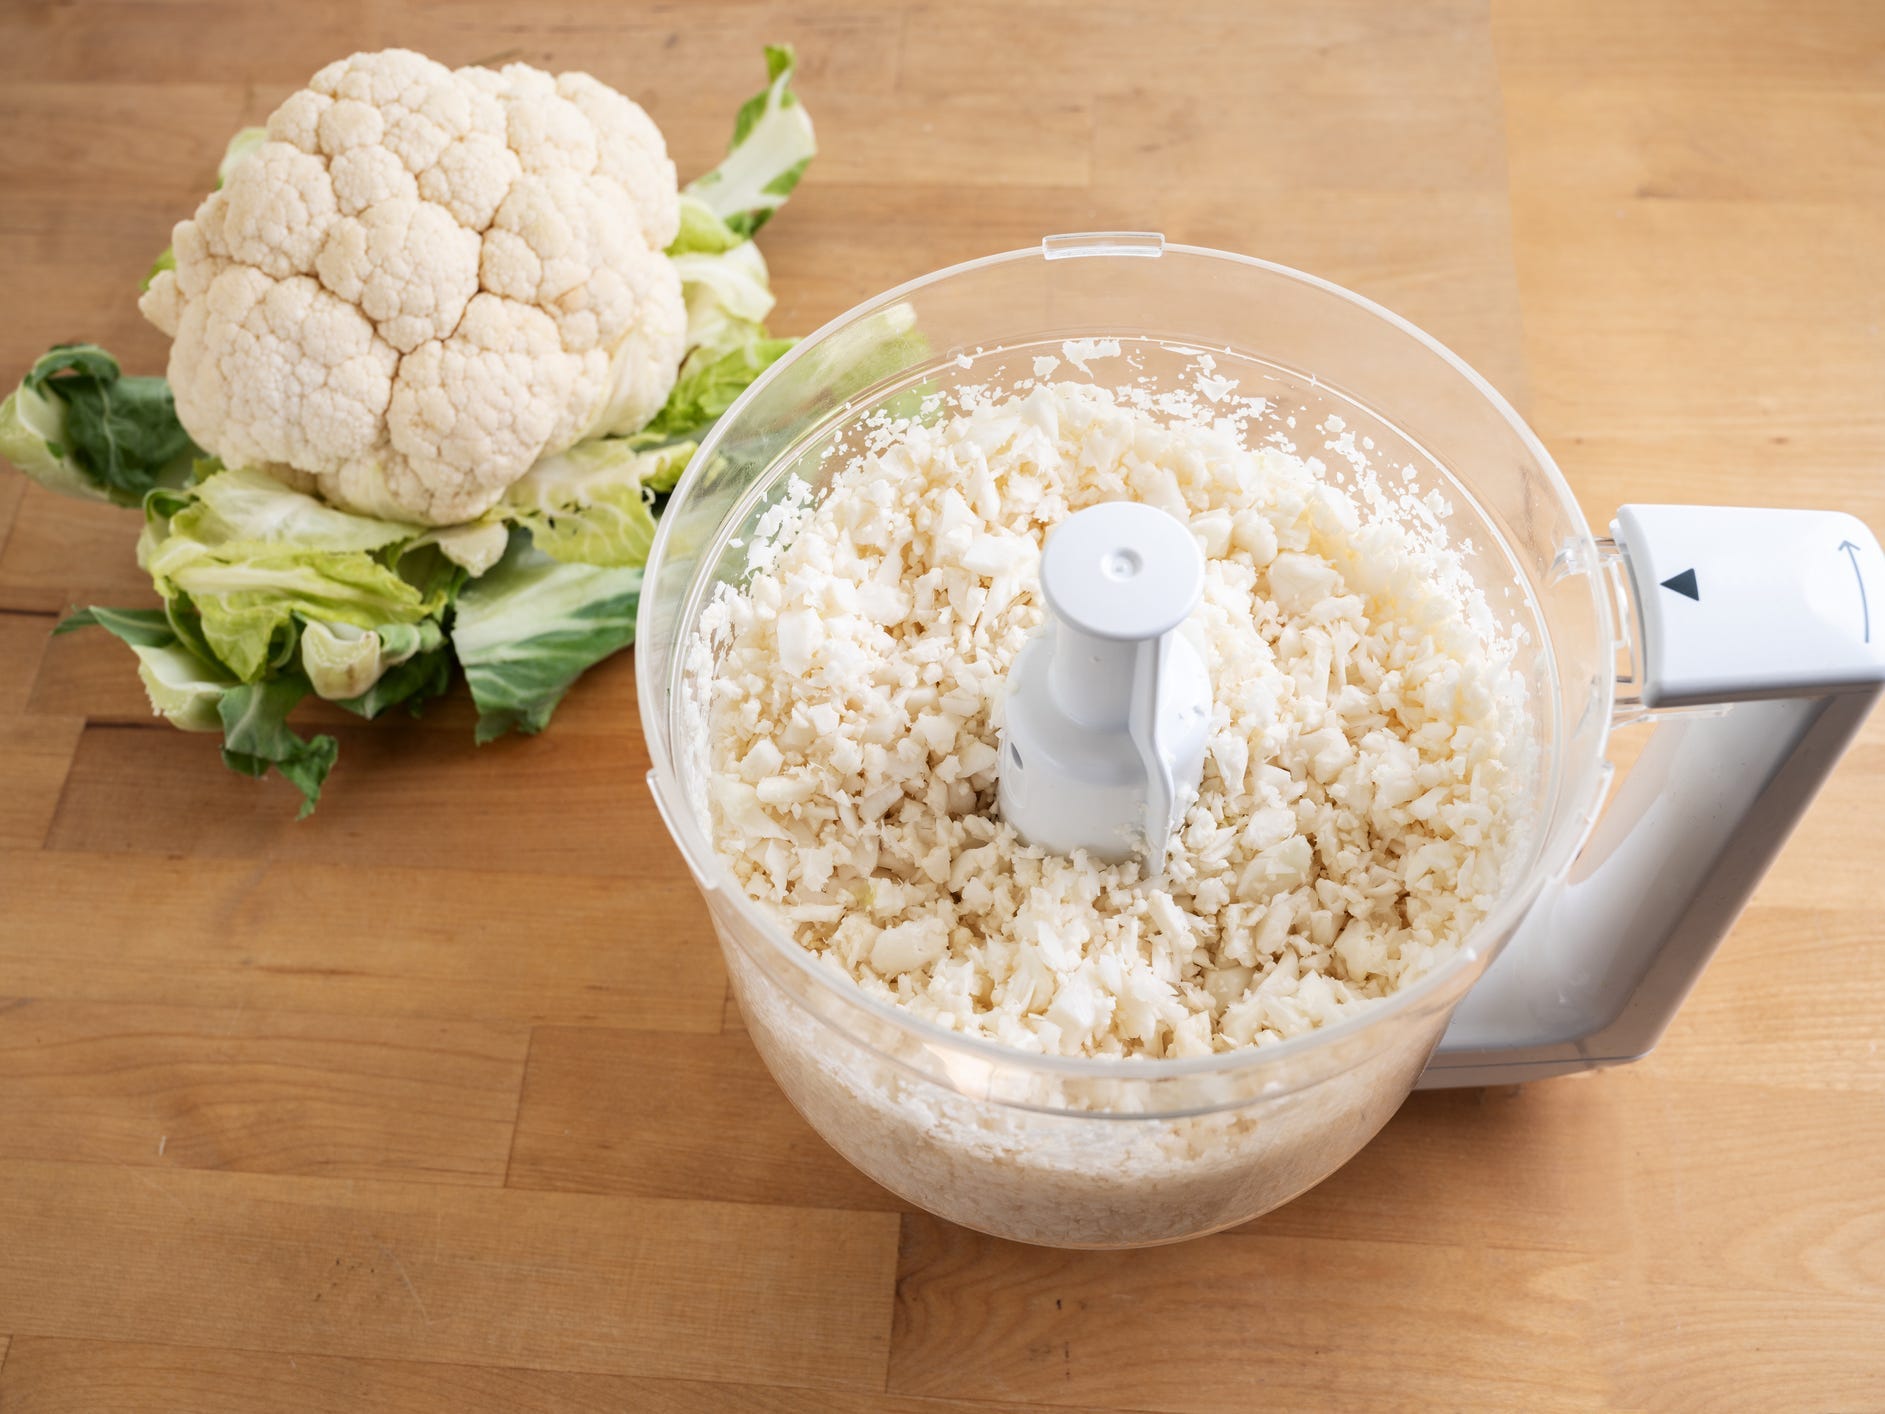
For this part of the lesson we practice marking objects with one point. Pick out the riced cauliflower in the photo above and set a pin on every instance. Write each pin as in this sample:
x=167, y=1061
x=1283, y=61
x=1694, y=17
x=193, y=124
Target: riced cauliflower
x=425, y=280
x=1358, y=795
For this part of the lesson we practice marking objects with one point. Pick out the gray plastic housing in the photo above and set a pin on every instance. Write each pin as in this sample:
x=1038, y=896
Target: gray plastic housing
x=1767, y=614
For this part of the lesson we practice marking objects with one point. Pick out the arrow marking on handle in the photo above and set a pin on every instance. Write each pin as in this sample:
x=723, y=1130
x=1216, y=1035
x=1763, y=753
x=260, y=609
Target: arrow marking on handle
x=1852, y=553
x=1684, y=584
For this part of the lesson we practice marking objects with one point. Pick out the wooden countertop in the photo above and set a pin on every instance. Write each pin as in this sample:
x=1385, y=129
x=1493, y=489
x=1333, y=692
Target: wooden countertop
x=435, y=1101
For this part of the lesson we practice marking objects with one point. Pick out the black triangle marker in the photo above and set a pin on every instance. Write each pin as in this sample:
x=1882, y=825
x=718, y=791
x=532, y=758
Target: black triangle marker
x=1684, y=583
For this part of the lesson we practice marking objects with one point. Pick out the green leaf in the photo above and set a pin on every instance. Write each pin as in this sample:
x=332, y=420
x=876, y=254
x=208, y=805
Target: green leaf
x=474, y=546
x=244, y=504
x=590, y=505
x=248, y=596
x=183, y=687
x=771, y=147
x=240, y=147
x=166, y=260
x=77, y=425
x=256, y=736
x=197, y=695
x=702, y=232
x=727, y=296
x=413, y=682
x=708, y=388
x=527, y=630
x=344, y=662
x=665, y=473
x=141, y=628
x=254, y=559
x=778, y=66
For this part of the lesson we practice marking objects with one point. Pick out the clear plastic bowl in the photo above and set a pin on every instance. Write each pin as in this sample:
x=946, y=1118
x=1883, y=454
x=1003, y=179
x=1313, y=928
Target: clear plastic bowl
x=1109, y=1152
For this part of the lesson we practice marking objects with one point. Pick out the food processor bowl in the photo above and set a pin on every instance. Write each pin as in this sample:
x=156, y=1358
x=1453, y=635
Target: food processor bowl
x=1104, y=1152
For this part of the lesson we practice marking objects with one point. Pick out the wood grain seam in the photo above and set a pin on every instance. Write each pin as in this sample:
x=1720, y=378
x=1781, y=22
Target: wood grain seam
x=139, y=1167
x=895, y=1303
x=65, y=779
x=276, y=1352
x=941, y=1403
x=550, y=1190
x=494, y=1021
x=517, y=1111
x=6, y=537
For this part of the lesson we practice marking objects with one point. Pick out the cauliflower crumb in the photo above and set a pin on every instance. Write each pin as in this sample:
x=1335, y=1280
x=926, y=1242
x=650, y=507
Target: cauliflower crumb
x=1357, y=801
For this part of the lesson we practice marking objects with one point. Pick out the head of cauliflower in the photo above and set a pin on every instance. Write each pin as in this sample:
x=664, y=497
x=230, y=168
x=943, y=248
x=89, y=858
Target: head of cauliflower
x=426, y=280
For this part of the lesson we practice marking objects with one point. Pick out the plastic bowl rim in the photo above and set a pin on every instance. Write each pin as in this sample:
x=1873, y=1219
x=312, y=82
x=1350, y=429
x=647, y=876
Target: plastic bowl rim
x=711, y=875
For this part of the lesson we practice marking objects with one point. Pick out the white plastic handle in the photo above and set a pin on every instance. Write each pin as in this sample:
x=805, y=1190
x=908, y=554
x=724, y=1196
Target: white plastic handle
x=1770, y=611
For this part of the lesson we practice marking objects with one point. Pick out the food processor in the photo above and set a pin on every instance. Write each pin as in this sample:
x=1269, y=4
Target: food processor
x=1748, y=636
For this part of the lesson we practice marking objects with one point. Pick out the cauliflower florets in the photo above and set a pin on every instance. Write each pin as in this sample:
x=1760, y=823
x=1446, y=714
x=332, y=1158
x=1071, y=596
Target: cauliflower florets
x=424, y=281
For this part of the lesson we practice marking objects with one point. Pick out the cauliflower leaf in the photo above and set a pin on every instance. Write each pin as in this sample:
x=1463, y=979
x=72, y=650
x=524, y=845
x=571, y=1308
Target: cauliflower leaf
x=592, y=504
x=196, y=694
x=78, y=426
x=344, y=662
x=253, y=559
x=527, y=630
x=256, y=737
x=772, y=145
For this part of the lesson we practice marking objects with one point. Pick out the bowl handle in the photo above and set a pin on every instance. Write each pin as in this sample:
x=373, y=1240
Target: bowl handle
x=1763, y=650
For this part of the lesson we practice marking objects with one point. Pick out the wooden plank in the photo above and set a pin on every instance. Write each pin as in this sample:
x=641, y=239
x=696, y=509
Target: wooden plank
x=665, y=54
x=258, y=1092
x=609, y=1111
x=90, y=258
x=1660, y=142
x=621, y=1112
x=557, y=804
x=133, y=138
x=36, y=754
x=1723, y=1347
x=1749, y=47
x=22, y=640
x=658, y=54
x=1780, y=1227
x=63, y=551
x=944, y=138
x=362, y=941
x=12, y=488
x=1371, y=142
x=1556, y=1148
x=449, y=1274
x=1790, y=1000
x=1652, y=314
x=90, y=674
x=1678, y=255
x=109, y=1377
x=1236, y=1323
x=1332, y=51
x=122, y=41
